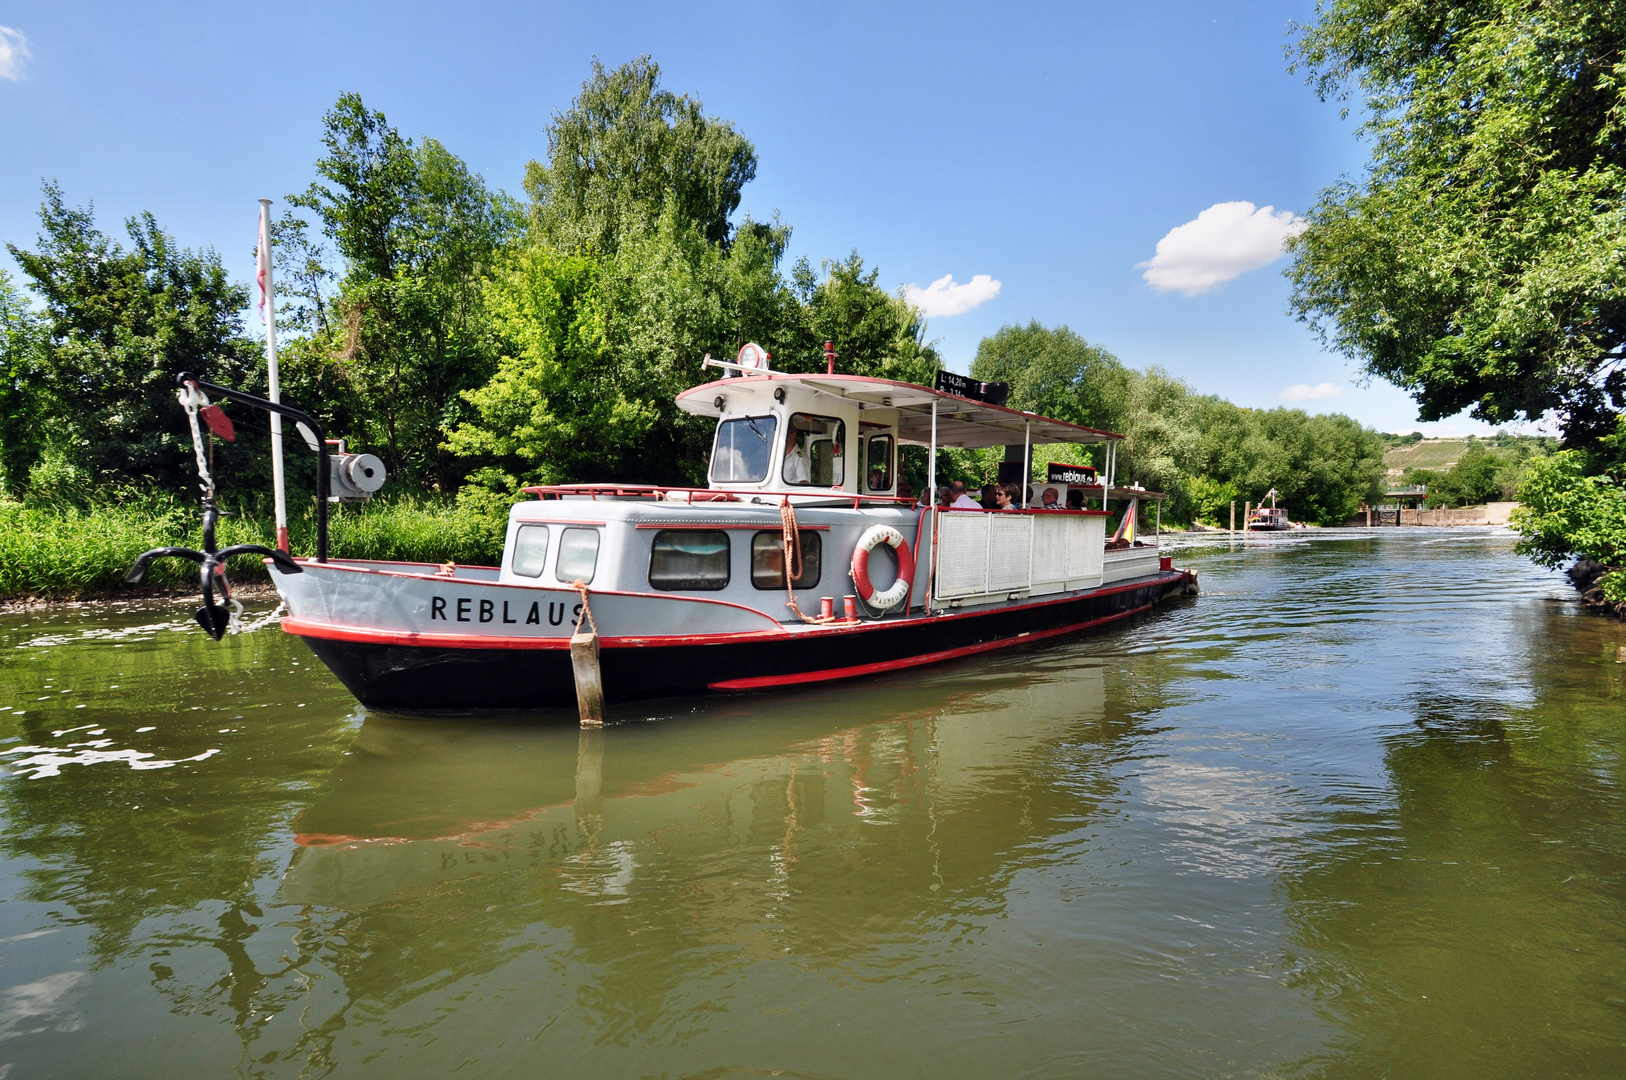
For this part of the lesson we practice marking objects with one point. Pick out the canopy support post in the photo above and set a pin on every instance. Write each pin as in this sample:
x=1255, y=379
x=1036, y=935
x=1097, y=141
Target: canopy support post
x=931, y=460
x=1027, y=459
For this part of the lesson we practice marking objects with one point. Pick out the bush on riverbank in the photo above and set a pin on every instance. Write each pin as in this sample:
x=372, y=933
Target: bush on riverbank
x=66, y=552
x=1566, y=514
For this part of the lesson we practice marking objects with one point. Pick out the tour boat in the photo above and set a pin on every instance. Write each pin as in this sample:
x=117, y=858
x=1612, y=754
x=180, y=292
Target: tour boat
x=799, y=563
x=1269, y=518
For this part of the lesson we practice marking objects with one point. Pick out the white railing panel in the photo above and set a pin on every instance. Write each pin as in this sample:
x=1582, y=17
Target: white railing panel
x=1051, y=533
x=1010, y=544
x=1084, y=552
x=962, y=555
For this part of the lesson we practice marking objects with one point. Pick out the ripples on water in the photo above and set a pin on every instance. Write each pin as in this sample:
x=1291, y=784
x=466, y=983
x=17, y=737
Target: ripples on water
x=1355, y=811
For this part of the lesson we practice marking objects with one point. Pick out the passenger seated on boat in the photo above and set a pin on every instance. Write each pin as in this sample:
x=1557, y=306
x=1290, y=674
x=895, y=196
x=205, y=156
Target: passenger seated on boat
x=877, y=480
x=989, y=496
x=1048, y=500
x=1005, y=496
x=945, y=497
x=1075, y=499
x=962, y=501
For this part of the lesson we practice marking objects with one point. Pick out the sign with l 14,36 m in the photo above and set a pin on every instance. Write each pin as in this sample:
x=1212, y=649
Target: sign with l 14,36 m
x=1070, y=474
x=994, y=393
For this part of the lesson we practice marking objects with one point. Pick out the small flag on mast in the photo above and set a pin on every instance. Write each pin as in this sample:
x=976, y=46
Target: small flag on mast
x=263, y=261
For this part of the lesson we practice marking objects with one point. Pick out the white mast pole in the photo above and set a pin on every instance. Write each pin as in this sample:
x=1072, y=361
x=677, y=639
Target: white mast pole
x=278, y=490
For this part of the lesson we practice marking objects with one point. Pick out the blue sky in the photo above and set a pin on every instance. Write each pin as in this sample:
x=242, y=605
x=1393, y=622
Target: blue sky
x=1048, y=147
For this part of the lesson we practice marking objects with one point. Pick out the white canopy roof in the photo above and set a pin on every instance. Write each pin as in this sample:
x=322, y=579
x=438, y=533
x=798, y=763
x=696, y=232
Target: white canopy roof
x=960, y=421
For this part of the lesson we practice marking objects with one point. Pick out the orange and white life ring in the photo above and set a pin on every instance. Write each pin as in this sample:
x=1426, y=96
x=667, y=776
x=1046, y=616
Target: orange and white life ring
x=888, y=598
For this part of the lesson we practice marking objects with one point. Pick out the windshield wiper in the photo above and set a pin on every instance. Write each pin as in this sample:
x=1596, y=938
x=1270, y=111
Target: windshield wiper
x=759, y=432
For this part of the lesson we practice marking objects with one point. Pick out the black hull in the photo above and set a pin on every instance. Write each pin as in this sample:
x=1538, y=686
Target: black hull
x=438, y=679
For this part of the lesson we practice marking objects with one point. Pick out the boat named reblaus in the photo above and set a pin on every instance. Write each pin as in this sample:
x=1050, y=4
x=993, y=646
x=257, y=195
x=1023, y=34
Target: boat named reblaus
x=688, y=589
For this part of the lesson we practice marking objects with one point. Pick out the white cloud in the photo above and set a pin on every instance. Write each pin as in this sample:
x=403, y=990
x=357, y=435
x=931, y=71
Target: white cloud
x=1305, y=392
x=943, y=297
x=1225, y=241
x=13, y=53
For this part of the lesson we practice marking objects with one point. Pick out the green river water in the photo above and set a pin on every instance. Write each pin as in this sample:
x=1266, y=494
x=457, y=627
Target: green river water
x=1355, y=811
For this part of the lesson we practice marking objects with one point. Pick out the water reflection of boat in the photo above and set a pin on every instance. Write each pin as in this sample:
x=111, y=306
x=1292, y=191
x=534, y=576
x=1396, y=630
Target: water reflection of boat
x=743, y=585
x=420, y=804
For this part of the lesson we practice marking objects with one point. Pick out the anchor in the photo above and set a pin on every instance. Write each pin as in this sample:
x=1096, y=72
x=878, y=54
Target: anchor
x=215, y=618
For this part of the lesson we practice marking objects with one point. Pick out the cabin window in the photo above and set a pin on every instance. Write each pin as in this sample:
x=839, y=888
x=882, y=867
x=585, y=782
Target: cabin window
x=743, y=450
x=530, y=550
x=578, y=555
x=815, y=449
x=768, y=560
x=878, y=464
x=689, y=559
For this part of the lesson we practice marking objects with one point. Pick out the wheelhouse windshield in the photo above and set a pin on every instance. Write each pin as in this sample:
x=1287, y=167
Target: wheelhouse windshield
x=743, y=450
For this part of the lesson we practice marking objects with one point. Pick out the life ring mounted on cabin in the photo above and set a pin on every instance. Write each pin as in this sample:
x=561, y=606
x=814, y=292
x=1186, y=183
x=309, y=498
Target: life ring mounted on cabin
x=882, y=600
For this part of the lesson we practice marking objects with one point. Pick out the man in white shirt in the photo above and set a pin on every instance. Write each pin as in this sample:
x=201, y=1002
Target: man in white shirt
x=962, y=501
x=797, y=469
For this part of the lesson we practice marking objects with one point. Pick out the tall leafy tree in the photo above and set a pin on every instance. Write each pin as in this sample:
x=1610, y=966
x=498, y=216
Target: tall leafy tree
x=23, y=423
x=416, y=231
x=1056, y=372
x=1478, y=262
x=122, y=323
x=625, y=151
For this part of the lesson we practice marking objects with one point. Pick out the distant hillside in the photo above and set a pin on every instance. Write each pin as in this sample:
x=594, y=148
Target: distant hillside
x=1427, y=454
x=1415, y=452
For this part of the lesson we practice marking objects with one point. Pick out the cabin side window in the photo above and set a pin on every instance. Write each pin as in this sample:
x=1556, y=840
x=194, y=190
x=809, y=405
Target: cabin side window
x=530, y=550
x=743, y=450
x=815, y=451
x=578, y=555
x=689, y=559
x=878, y=463
x=768, y=560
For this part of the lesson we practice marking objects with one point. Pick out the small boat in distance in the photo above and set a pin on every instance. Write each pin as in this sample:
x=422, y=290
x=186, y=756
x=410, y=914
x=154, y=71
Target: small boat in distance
x=1270, y=518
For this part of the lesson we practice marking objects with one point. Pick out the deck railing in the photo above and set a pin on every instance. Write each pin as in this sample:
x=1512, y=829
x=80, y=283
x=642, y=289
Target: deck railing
x=986, y=556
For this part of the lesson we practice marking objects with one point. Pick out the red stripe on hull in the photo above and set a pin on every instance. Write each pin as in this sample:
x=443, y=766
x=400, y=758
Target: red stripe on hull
x=832, y=674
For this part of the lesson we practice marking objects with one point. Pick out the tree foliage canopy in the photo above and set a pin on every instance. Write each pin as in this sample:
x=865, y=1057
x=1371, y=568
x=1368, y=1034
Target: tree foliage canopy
x=1478, y=263
x=120, y=324
x=625, y=151
x=1199, y=450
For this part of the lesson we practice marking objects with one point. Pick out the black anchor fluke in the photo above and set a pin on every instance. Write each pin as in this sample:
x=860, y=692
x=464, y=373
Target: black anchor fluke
x=213, y=617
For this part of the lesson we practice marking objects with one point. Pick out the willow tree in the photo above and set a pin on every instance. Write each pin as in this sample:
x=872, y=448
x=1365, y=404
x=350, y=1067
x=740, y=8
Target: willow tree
x=1477, y=263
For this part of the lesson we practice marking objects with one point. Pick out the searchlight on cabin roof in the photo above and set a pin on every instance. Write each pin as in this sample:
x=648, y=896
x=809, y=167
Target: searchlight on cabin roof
x=752, y=357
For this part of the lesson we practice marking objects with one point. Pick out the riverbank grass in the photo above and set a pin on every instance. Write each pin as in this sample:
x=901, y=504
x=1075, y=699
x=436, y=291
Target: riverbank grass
x=82, y=552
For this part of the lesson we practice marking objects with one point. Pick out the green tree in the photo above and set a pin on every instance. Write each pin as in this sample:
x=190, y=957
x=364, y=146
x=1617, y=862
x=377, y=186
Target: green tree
x=634, y=248
x=1478, y=262
x=624, y=152
x=1475, y=478
x=1330, y=464
x=416, y=231
x=23, y=420
x=122, y=324
x=1055, y=372
x=1565, y=513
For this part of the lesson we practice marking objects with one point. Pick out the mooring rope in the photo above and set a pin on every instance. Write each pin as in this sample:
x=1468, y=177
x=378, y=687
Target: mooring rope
x=793, y=551
x=587, y=609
